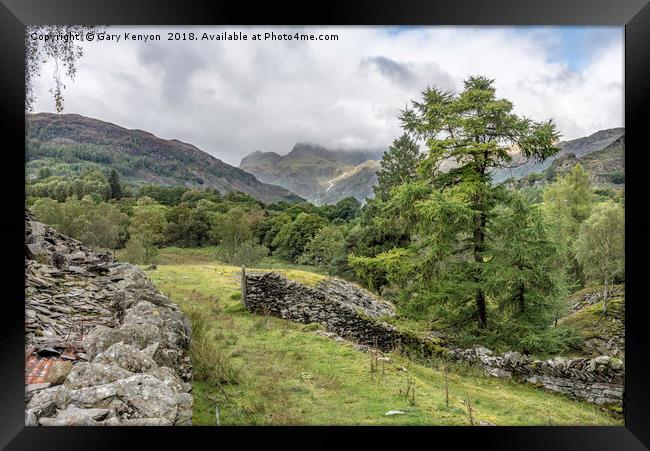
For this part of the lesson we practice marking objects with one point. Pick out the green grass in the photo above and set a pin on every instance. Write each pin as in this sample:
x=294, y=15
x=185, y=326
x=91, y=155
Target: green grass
x=284, y=373
x=592, y=324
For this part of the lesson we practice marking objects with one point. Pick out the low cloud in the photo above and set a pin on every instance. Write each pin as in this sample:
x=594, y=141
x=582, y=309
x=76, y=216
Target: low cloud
x=231, y=98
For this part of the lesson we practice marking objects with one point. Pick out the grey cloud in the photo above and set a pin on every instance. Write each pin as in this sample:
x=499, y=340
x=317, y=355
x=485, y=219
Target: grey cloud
x=389, y=68
x=177, y=64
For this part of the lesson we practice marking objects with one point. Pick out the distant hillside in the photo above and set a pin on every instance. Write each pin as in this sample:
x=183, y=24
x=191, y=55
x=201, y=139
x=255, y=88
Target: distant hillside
x=579, y=148
x=319, y=174
x=606, y=166
x=66, y=144
x=358, y=183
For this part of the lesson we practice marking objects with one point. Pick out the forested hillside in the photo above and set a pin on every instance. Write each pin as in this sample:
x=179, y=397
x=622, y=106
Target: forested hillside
x=60, y=146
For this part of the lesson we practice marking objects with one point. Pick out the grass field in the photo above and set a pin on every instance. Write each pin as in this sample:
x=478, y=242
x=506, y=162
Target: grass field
x=272, y=371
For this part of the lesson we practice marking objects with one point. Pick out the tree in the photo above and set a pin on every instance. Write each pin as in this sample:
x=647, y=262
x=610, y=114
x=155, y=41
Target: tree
x=476, y=132
x=526, y=275
x=346, y=209
x=134, y=252
x=567, y=203
x=324, y=247
x=235, y=231
x=190, y=227
x=148, y=226
x=600, y=246
x=398, y=166
x=569, y=200
x=526, y=261
x=64, y=52
x=93, y=222
x=166, y=195
x=114, y=182
x=291, y=240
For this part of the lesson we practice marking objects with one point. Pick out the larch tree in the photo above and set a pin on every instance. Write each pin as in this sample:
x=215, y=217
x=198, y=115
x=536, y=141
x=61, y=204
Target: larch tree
x=469, y=134
x=569, y=200
x=567, y=203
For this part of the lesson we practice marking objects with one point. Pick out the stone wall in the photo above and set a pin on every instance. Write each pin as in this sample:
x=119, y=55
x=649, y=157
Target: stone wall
x=353, y=313
x=342, y=307
x=598, y=380
x=102, y=345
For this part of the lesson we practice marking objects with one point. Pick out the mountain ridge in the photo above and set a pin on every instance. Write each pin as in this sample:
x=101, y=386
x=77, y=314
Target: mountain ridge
x=138, y=155
x=579, y=147
x=312, y=171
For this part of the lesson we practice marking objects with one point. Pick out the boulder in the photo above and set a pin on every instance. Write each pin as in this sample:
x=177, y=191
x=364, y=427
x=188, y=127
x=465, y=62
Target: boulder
x=58, y=372
x=92, y=374
x=127, y=357
x=74, y=416
x=149, y=396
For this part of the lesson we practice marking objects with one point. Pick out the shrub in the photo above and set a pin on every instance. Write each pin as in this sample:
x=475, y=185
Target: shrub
x=247, y=253
x=134, y=252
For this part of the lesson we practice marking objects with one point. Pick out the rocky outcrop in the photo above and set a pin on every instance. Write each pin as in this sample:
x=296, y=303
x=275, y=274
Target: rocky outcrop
x=598, y=380
x=603, y=333
x=103, y=346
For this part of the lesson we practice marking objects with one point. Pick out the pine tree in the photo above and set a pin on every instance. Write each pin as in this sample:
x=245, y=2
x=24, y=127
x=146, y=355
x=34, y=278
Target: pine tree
x=398, y=166
x=114, y=182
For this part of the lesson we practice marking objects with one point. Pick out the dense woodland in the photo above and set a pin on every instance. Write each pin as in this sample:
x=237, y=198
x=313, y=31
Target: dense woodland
x=474, y=260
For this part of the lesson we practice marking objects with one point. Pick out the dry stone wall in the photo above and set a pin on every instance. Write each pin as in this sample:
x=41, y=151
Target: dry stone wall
x=353, y=313
x=598, y=380
x=342, y=307
x=102, y=345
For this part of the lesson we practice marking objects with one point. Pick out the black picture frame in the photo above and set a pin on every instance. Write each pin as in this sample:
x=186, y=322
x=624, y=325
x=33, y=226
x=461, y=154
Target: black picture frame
x=634, y=15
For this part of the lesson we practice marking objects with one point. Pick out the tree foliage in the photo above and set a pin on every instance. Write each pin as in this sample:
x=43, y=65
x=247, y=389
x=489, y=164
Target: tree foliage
x=475, y=132
x=398, y=166
x=600, y=246
x=324, y=247
x=293, y=237
x=63, y=52
x=96, y=224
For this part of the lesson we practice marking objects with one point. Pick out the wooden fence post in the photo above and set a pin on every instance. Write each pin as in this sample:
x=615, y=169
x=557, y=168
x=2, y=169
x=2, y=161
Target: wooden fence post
x=243, y=284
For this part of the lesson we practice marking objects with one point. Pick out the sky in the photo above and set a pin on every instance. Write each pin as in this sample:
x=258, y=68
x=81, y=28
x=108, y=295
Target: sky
x=230, y=98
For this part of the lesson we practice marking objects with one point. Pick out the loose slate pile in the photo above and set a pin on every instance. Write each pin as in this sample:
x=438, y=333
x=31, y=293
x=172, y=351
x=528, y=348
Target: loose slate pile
x=103, y=346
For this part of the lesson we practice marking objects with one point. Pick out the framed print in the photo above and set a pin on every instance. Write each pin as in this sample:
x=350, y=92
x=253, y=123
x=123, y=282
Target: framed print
x=346, y=219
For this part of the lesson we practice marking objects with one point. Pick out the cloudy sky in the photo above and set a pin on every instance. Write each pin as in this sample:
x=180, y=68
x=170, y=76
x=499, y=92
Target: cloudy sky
x=230, y=98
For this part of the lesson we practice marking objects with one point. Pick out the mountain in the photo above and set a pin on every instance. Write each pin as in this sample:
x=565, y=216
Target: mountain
x=605, y=166
x=319, y=174
x=358, y=182
x=67, y=144
x=578, y=147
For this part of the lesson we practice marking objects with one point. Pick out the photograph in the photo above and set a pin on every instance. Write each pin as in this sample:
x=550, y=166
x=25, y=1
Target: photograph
x=324, y=225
